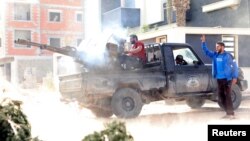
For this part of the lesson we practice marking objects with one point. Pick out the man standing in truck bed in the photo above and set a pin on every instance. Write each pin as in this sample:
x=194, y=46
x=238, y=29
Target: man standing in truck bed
x=136, y=56
x=225, y=70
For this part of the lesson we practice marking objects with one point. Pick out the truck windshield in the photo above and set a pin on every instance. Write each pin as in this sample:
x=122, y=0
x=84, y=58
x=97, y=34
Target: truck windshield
x=187, y=55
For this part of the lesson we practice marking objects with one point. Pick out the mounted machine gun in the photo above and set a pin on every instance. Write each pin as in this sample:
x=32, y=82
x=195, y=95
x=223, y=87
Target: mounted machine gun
x=111, y=53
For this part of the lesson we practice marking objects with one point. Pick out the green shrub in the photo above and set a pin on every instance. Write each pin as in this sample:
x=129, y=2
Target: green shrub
x=114, y=131
x=14, y=125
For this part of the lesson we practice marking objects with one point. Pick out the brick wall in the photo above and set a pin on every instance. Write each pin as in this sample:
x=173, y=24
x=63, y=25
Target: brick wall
x=12, y=25
x=32, y=64
x=40, y=26
x=62, y=2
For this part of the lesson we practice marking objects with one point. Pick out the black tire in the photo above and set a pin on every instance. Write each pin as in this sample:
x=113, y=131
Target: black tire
x=126, y=103
x=195, y=102
x=102, y=108
x=236, y=97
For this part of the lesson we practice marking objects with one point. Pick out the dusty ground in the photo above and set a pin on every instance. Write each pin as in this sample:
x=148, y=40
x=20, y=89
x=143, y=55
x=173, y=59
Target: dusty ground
x=53, y=120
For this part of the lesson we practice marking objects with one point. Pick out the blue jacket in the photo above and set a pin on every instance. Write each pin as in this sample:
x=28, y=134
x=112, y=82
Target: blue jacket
x=229, y=64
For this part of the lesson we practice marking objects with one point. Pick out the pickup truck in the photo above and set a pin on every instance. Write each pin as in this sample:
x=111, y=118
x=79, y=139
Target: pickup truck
x=124, y=92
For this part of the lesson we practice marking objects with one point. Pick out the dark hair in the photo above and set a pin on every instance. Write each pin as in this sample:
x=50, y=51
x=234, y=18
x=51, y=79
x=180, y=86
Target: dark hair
x=179, y=57
x=133, y=36
x=220, y=43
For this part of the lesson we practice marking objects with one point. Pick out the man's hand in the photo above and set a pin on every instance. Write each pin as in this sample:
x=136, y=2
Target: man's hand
x=203, y=38
x=234, y=81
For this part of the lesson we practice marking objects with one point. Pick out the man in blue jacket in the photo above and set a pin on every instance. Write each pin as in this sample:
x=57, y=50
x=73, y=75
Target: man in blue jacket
x=225, y=70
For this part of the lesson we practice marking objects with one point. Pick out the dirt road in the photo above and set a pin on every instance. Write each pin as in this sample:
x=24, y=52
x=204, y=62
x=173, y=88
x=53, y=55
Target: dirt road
x=179, y=122
x=53, y=120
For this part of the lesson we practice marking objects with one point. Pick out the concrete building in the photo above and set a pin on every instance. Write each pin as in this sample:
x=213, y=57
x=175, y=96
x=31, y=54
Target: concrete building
x=5, y=62
x=57, y=23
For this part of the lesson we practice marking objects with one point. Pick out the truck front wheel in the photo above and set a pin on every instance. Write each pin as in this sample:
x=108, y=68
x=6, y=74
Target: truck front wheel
x=195, y=102
x=236, y=97
x=126, y=103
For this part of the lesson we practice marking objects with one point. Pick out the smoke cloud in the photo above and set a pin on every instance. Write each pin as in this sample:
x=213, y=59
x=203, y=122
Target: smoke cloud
x=94, y=50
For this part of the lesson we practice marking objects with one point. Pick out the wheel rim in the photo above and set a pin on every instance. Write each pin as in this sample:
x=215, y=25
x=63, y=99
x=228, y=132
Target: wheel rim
x=128, y=104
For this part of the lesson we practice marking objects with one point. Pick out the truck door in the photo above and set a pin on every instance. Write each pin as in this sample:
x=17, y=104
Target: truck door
x=190, y=74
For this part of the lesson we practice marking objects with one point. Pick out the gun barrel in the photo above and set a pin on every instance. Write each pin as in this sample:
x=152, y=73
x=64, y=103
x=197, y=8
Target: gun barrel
x=69, y=51
x=27, y=42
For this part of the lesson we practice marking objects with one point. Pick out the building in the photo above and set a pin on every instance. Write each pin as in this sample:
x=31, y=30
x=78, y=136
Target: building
x=5, y=62
x=225, y=20
x=57, y=23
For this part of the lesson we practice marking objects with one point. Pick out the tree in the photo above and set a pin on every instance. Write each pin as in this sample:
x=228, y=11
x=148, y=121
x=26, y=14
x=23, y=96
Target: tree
x=169, y=10
x=181, y=6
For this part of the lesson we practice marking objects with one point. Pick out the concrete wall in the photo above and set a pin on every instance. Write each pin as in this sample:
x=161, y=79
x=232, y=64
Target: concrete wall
x=92, y=18
x=227, y=17
x=244, y=50
x=247, y=77
x=30, y=71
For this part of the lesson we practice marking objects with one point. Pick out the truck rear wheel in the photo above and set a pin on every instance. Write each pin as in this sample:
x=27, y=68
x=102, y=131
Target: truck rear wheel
x=195, y=102
x=236, y=97
x=126, y=103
